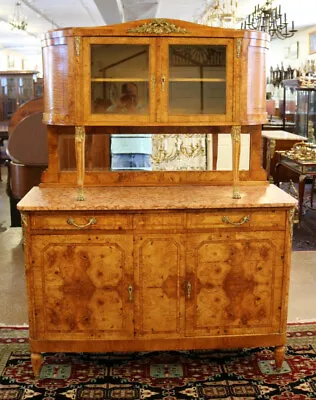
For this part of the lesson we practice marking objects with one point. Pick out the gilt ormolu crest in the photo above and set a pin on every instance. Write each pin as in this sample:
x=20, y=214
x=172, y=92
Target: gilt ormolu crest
x=158, y=26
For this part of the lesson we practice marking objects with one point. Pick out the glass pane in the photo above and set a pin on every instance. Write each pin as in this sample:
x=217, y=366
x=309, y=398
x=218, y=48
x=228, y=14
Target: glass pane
x=119, y=78
x=197, y=79
x=155, y=152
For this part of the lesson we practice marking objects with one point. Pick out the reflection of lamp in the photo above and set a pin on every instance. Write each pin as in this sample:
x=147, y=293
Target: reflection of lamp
x=270, y=20
x=221, y=13
x=18, y=21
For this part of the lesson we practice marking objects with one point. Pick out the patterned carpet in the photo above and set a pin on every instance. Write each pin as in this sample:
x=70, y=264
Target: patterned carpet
x=304, y=237
x=243, y=374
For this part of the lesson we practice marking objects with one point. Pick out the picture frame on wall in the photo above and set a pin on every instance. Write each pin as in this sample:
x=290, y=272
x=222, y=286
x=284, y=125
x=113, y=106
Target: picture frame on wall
x=312, y=42
x=292, y=52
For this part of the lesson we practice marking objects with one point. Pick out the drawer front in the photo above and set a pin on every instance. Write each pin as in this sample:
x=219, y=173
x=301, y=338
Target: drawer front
x=272, y=219
x=81, y=221
x=159, y=220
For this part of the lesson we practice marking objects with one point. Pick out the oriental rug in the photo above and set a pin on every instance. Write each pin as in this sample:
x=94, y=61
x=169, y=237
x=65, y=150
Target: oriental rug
x=226, y=374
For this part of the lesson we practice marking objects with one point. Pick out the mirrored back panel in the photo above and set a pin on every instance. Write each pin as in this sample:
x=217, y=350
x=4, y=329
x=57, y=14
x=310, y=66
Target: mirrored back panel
x=154, y=152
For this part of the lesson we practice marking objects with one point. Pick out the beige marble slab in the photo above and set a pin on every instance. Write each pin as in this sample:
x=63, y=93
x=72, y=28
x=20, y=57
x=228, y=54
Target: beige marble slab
x=282, y=135
x=154, y=198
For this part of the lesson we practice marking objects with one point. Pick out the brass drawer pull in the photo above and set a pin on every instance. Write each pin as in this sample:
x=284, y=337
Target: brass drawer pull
x=242, y=221
x=130, y=292
x=189, y=288
x=71, y=221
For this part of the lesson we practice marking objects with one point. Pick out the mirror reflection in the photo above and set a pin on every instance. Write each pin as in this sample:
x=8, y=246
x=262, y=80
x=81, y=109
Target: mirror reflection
x=119, y=79
x=155, y=152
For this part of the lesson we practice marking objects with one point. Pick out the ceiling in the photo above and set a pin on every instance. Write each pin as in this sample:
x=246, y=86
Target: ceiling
x=43, y=15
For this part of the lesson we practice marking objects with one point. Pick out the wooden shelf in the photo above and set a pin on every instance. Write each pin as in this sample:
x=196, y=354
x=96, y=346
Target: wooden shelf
x=127, y=79
x=197, y=80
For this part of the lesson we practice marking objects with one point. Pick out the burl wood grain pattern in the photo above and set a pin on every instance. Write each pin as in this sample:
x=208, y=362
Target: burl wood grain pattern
x=157, y=279
x=84, y=281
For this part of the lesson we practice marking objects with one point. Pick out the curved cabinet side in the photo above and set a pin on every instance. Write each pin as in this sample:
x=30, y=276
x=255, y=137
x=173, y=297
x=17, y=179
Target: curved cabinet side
x=253, y=82
x=60, y=80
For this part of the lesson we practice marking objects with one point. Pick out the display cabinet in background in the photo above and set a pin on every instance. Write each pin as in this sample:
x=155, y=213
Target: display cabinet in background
x=298, y=107
x=16, y=87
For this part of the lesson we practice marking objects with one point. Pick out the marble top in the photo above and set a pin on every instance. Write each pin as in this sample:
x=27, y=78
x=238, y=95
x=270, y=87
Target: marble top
x=282, y=135
x=154, y=198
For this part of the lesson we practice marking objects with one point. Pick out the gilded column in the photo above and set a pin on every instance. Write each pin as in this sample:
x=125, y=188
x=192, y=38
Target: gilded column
x=80, y=136
x=236, y=159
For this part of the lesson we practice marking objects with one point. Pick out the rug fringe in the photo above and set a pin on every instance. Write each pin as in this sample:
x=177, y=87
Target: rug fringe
x=14, y=326
x=302, y=321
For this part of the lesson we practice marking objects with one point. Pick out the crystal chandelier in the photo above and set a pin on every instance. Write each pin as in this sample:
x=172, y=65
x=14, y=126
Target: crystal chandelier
x=221, y=13
x=269, y=19
x=18, y=20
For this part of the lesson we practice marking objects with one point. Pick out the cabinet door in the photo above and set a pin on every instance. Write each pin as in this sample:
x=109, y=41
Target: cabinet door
x=196, y=80
x=159, y=281
x=119, y=80
x=236, y=283
x=81, y=286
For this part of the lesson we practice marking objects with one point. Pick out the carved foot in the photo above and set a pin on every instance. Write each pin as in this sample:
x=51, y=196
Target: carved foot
x=37, y=360
x=279, y=353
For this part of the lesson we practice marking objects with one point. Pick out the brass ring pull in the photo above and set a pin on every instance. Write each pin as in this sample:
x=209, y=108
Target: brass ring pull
x=189, y=288
x=130, y=292
x=242, y=221
x=71, y=221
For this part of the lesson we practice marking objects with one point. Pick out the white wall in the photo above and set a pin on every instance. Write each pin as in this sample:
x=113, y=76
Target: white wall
x=277, y=55
x=11, y=60
x=277, y=50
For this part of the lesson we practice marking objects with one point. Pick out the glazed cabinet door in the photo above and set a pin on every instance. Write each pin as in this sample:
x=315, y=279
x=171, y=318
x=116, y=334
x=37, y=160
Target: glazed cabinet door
x=159, y=273
x=81, y=286
x=119, y=80
x=235, y=282
x=195, y=80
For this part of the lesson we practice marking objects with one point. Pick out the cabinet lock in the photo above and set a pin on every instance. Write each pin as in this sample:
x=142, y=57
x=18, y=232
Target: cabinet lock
x=130, y=292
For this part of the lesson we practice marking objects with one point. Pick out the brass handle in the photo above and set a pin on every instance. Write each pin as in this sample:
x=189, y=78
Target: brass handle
x=163, y=80
x=189, y=288
x=130, y=292
x=71, y=221
x=153, y=84
x=242, y=221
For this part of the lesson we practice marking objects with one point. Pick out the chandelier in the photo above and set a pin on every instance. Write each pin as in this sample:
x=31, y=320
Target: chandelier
x=221, y=13
x=18, y=20
x=269, y=19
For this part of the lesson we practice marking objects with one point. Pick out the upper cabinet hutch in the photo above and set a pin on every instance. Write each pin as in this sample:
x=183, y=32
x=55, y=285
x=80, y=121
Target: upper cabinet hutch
x=153, y=260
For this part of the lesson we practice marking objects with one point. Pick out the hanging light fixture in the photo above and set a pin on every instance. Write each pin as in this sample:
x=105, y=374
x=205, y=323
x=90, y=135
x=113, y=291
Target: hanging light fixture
x=269, y=19
x=221, y=13
x=18, y=20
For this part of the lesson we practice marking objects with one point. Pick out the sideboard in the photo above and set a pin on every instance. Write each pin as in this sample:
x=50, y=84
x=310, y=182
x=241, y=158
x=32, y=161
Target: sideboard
x=154, y=260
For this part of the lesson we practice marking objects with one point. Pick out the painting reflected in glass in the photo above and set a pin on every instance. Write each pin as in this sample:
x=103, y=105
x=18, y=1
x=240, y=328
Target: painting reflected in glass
x=155, y=152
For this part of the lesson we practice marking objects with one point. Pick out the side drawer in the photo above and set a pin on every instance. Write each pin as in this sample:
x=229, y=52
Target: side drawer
x=81, y=221
x=247, y=218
